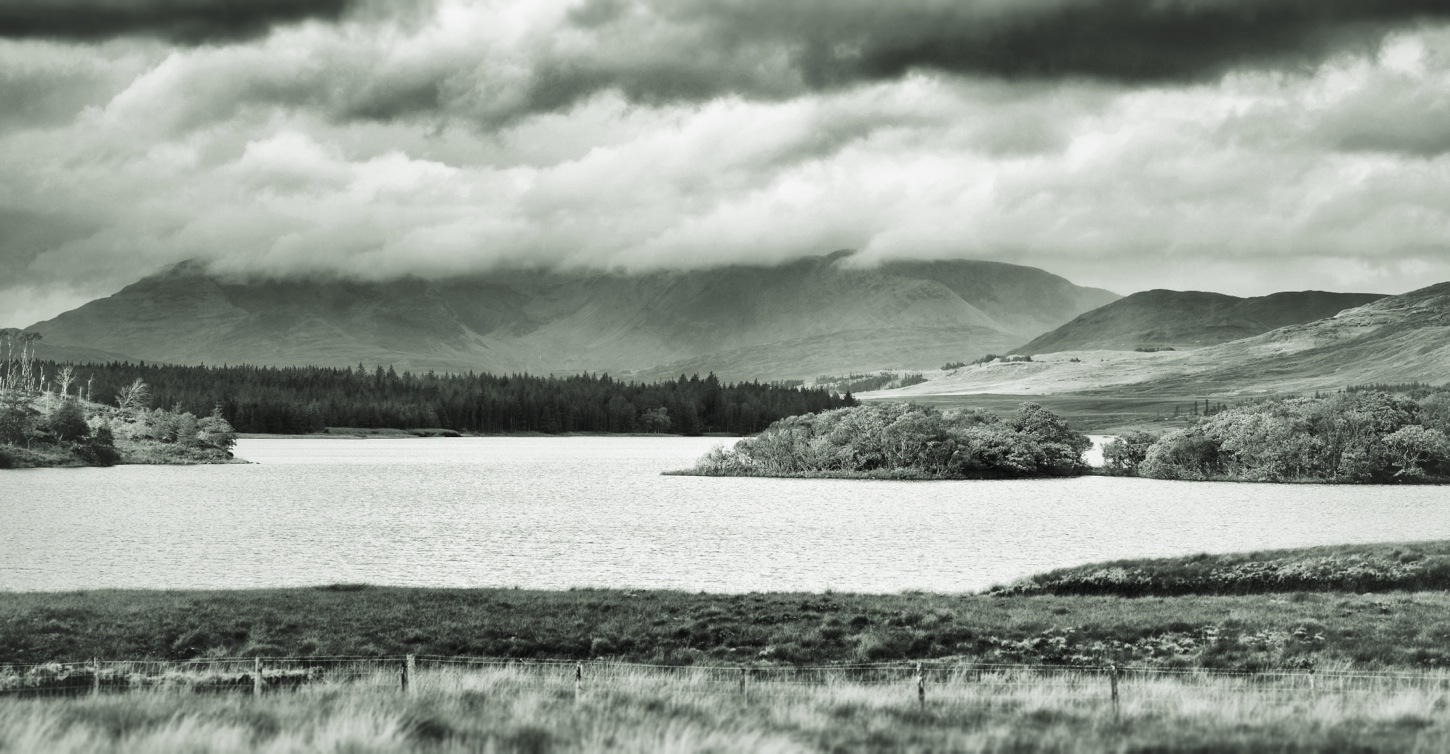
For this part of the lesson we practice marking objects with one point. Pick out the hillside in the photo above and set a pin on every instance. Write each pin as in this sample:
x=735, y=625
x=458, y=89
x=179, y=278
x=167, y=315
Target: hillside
x=1395, y=339
x=744, y=322
x=1189, y=319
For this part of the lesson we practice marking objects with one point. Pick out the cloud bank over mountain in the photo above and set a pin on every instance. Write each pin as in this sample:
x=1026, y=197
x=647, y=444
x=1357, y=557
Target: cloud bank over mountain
x=1129, y=144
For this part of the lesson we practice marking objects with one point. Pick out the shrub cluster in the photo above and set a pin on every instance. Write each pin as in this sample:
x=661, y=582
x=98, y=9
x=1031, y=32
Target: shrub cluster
x=1355, y=436
x=54, y=429
x=897, y=440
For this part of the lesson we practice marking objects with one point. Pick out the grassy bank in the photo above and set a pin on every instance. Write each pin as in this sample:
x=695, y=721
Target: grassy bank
x=1413, y=566
x=1251, y=632
x=506, y=711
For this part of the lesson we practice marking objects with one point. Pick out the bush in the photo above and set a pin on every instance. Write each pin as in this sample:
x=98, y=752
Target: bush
x=1359, y=436
x=67, y=422
x=1123, y=455
x=897, y=440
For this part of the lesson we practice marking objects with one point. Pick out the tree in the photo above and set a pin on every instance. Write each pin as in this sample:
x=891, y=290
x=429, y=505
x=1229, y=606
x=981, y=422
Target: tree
x=1413, y=450
x=655, y=420
x=67, y=421
x=187, y=431
x=216, y=431
x=1125, y=453
x=17, y=417
x=134, y=396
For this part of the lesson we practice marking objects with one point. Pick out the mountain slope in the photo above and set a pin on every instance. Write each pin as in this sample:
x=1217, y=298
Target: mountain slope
x=792, y=321
x=1395, y=339
x=1189, y=319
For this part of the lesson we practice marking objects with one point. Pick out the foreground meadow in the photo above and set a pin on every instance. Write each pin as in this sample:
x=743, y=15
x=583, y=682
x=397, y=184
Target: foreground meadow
x=523, y=710
x=1237, y=632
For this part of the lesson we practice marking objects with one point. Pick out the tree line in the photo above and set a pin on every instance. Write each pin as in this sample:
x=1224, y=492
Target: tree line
x=297, y=400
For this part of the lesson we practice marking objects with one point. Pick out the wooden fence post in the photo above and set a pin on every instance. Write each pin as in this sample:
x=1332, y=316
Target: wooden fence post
x=409, y=671
x=742, y=683
x=578, y=680
x=1113, y=679
x=920, y=687
x=256, y=676
x=95, y=677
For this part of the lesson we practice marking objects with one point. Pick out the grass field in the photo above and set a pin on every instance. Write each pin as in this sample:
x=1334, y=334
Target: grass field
x=1251, y=632
x=512, y=710
x=1307, y=670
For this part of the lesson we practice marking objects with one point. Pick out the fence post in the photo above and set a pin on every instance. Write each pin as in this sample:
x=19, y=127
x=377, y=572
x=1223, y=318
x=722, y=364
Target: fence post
x=920, y=687
x=95, y=677
x=410, y=674
x=742, y=684
x=1311, y=680
x=578, y=680
x=256, y=676
x=1113, y=679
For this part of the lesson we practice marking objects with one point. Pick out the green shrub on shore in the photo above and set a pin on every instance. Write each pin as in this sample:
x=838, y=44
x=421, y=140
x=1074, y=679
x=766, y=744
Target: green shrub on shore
x=904, y=441
x=1351, y=437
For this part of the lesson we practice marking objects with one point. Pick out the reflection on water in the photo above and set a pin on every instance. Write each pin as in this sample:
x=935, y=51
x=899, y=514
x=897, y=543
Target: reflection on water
x=594, y=511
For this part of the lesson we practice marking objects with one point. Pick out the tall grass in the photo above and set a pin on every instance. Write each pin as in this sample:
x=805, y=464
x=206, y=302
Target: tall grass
x=517, y=709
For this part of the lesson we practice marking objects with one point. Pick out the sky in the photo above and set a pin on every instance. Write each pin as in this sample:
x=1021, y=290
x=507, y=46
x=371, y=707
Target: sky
x=1241, y=146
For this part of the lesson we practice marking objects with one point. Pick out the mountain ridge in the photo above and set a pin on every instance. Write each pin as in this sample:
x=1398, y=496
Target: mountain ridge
x=796, y=316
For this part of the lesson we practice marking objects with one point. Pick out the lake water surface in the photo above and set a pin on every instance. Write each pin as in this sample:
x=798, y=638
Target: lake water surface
x=594, y=511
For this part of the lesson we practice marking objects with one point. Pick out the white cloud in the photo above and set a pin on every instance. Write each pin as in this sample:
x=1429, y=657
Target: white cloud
x=1262, y=180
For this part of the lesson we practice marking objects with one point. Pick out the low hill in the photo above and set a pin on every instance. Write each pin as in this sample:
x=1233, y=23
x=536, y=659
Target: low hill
x=744, y=322
x=1189, y=319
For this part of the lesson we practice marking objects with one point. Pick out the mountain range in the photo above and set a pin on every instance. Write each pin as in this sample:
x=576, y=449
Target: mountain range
x=1189, y=319
x=794, y=321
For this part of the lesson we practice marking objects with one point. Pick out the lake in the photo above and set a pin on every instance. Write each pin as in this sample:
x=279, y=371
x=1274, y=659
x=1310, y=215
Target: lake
x=594, y=511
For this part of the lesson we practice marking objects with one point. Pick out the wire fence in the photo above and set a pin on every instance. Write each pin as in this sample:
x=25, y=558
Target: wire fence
x=917, y=680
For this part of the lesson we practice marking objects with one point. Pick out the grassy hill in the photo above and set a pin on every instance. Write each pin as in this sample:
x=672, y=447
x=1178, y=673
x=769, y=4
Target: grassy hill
x=1189, y=319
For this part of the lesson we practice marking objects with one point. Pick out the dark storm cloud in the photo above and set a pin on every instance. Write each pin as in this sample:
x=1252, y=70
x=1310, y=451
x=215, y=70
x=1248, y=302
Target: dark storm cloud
x=1119, y=40
x=664, y=52
x=831, y=43
x=180, y=21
